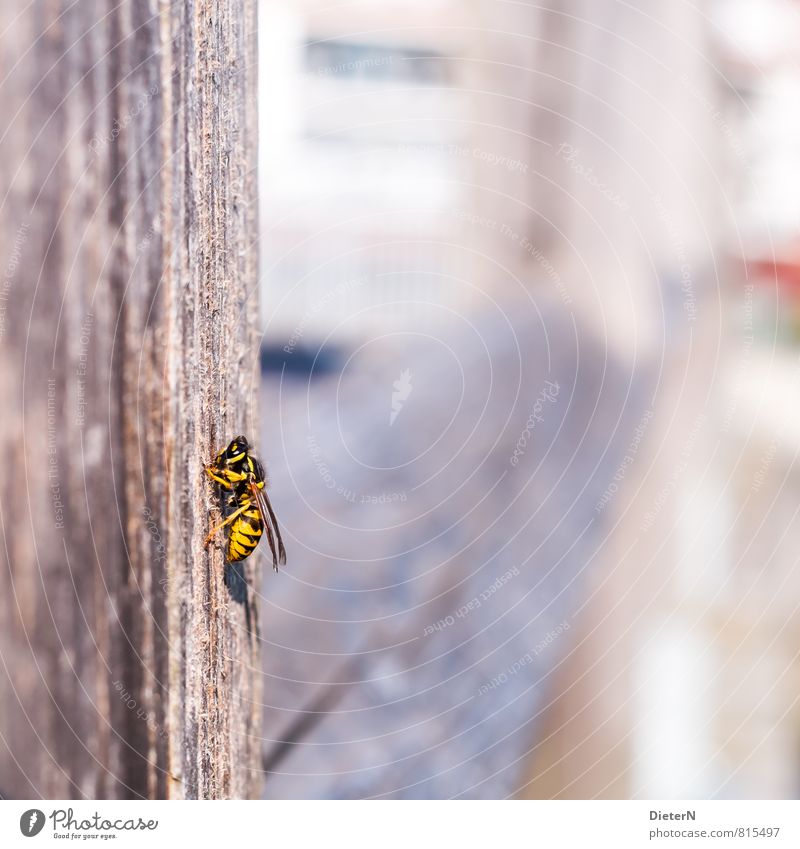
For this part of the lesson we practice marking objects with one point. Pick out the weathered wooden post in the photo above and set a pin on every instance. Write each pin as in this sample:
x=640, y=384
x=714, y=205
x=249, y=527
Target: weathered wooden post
x=128, y=249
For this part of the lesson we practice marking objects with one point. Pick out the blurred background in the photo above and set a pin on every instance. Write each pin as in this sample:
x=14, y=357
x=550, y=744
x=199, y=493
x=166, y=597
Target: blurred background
x=530, y=359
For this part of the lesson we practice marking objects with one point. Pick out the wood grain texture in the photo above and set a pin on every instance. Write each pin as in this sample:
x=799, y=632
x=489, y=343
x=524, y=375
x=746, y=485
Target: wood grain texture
x=128, y=234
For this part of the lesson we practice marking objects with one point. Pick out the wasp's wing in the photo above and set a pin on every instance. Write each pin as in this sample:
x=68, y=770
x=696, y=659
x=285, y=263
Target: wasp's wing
x=275, y=528
x=270, y=525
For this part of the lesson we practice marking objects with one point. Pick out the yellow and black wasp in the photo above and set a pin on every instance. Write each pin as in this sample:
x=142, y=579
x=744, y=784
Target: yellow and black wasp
x=245, y=505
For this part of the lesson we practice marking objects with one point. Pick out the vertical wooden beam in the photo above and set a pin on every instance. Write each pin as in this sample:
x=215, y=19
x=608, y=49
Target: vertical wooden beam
x=128, y=229
x=212, y=344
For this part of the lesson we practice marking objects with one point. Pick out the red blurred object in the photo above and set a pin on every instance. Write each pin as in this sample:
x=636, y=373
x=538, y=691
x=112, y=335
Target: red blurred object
x=785, y=270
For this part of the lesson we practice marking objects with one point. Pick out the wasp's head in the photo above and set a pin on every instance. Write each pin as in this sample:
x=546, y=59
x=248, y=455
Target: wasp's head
x=235, y=452
x=238, y=444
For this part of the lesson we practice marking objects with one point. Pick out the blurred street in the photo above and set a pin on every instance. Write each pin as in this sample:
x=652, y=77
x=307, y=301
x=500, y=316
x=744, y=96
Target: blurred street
x=425, y=628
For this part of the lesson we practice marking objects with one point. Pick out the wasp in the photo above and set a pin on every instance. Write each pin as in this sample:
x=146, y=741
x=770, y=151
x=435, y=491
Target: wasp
x=245, y=505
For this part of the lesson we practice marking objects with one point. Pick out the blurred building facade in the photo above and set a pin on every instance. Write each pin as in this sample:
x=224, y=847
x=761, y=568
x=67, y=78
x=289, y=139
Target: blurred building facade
x=363, y=164
x=684, y=683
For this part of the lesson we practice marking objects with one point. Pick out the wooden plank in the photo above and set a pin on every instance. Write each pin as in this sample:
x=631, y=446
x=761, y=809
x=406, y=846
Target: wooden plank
x=130, y=348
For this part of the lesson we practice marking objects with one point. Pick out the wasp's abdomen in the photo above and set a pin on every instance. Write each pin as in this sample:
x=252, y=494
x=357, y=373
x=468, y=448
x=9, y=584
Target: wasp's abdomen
x=244, y=535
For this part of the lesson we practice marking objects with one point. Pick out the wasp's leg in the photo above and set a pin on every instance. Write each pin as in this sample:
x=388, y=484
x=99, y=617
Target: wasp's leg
x=213, y=532
x=211, y=472
x=227, y=482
